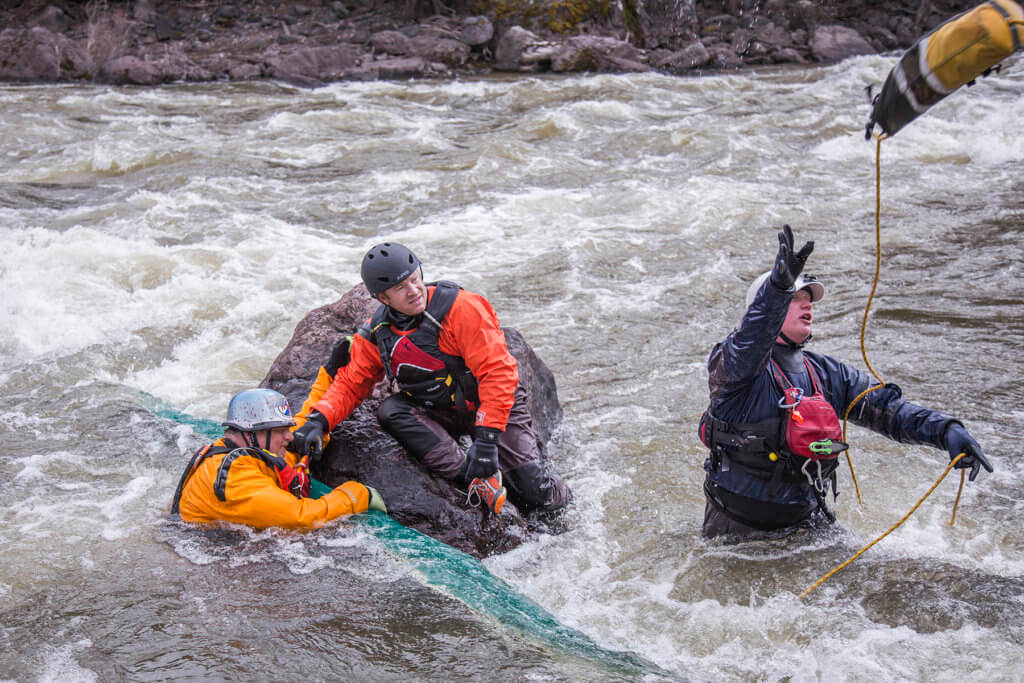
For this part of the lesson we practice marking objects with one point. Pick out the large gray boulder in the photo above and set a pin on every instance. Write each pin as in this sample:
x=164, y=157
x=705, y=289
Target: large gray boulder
x=392, y=43
x=315, y=64
x=518, y=50
x=834, y=43
x=692, y=56
x=476, y=31
x=128, y=70
x=438, y=49
x=360, y=450
x=598, y=54
x=38, y=54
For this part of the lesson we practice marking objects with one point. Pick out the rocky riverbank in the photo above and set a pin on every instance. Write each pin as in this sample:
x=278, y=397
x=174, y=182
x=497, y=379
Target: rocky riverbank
x=312, y=42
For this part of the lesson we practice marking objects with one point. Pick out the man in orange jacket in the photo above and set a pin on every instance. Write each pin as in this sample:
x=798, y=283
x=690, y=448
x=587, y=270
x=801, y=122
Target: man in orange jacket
x=443, y=348
x=248, y=477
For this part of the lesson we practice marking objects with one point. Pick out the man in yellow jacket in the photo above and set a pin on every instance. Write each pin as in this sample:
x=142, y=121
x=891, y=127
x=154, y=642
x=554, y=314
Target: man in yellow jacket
x=249, y=477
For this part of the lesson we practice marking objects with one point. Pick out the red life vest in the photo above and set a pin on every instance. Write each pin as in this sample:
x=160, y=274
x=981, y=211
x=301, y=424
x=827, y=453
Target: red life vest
x=415, y=361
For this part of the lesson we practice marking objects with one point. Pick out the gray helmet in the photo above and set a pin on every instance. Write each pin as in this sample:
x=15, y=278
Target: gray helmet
x=387, y=265
x=254, y=410
x=808, y=282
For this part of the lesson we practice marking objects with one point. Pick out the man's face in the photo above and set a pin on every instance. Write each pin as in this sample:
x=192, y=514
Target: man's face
x=797, y=325
x=280, y=437
x=409, y=297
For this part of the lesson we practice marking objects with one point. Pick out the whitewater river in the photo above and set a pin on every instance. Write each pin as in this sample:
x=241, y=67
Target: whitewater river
x=160, y=245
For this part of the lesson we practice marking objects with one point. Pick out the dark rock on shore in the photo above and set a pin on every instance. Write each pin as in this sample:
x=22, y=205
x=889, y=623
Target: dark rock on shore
x=312, y=42
x=360, y=450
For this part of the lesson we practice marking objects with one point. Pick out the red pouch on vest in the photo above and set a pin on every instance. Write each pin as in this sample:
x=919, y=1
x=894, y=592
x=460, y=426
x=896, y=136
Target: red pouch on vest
x=812, y=427
x=409, y=359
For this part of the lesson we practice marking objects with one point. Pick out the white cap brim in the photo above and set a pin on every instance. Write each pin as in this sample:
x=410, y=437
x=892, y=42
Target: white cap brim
x=816, y=288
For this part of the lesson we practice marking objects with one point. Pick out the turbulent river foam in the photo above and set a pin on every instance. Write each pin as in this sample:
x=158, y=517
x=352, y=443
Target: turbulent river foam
x=159, y=246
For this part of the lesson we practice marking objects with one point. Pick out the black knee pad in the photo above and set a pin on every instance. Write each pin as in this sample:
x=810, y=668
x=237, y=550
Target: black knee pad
x=529, y=486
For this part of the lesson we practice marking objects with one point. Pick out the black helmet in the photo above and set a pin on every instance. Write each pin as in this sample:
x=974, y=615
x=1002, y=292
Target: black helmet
x=387, y=265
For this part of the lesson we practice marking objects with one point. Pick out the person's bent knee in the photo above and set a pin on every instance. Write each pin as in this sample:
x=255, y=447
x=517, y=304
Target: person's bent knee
x=392, y=411
x=532, y=488
x=406, y=423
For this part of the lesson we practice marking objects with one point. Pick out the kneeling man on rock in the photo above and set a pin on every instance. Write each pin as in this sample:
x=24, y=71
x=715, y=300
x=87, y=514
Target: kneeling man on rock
x=443, y=348
x=248, y=477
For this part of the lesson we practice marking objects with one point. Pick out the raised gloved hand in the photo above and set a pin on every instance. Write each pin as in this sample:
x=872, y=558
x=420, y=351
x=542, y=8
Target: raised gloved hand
x=340, y=356
x=376, y=501
x=482, y=457
x=959, y=441
x=789, y=265
x=309, y=438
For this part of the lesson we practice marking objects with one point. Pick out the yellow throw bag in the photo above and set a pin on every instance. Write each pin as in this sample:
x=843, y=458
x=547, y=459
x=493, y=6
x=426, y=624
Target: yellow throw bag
x=952, y=55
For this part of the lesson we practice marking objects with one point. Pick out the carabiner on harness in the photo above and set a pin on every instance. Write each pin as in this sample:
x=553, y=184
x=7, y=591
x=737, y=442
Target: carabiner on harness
x=823, y=447
x=827, y=447
x=791, y=398
x=816, y=482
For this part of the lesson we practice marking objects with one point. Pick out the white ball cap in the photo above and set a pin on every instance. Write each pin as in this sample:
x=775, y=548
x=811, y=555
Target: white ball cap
x=808, y=282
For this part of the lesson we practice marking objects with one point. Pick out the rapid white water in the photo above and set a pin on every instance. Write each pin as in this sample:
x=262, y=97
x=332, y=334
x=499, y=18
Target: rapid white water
x=164, y=243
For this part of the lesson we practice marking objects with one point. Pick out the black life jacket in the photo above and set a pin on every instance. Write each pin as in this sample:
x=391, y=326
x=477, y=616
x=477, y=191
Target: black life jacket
x=761, y=448
x=415, y=361
x=284, y=471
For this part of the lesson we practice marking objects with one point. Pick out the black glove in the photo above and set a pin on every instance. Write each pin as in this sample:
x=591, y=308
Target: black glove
x=959, y=441
x=339, y=356
x=482, y=457
x=788, y=265
x=309, y=438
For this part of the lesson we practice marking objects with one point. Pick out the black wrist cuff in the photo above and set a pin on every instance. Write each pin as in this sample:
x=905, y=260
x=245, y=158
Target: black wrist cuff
x=488, y=434
x=776, y=285
x=945, y=431
x=320, y=420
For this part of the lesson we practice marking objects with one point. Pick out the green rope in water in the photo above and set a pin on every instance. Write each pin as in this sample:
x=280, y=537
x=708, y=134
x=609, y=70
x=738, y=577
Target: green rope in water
x=459, y=575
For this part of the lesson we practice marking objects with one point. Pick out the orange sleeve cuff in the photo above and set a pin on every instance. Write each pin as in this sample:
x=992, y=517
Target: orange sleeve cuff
x=352, y=496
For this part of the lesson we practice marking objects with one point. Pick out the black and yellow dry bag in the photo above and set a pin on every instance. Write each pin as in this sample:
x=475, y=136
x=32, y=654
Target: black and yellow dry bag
x=954, y=54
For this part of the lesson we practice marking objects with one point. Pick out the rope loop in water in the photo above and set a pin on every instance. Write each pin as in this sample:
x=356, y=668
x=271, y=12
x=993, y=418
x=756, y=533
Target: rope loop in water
x=895, y=526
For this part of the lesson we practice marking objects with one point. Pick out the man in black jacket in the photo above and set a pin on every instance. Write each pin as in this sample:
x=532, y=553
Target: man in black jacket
x=772, y=424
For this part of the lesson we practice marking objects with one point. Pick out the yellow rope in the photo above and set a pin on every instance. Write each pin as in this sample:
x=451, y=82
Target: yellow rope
x=867, y=308
x=846, y=415
x=878, y=253
x=891, y=529
x=963, y=475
